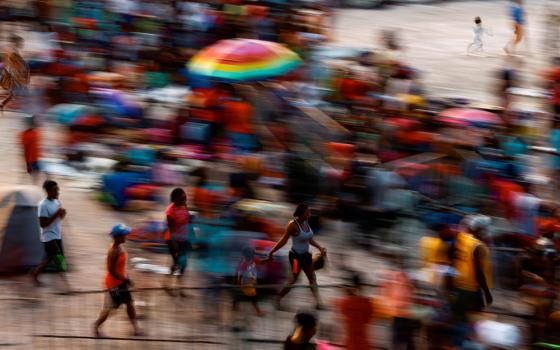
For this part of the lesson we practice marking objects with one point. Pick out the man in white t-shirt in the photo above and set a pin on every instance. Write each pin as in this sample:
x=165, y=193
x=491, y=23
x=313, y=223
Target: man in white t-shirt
x=51, y=215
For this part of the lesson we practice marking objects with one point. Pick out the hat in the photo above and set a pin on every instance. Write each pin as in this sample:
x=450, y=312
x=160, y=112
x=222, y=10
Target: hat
x=120, y=230
x=476, y=222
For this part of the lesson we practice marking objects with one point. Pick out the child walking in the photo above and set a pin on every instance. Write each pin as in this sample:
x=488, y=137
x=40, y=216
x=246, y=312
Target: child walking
x=478, y=30
x=247, y=279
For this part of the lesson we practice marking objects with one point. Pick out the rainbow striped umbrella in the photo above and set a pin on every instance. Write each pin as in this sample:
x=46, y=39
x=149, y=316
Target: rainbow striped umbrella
x=243, y=60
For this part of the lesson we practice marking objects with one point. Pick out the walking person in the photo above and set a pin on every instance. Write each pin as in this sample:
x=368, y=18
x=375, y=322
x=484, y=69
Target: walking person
x=176, y=235
x=479, y=31
x=518, y=19
x=51, y=214
x=357, y=313
x=15, y=74
x=300, y=258
x=31, y=143
x=473, y=280
x=117, y=281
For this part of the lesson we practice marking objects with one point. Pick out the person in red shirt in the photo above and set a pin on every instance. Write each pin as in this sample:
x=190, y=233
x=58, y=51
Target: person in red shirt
x=176, y=235
x=357, y=313
x=30, y=141
x=238, y=115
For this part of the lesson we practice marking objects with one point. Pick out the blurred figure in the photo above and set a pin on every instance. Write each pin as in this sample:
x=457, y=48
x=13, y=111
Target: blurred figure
x=476, y=45
x=357, y=312
x=306, y=328
x=471, y=259
x=31, y=142
x=301, y=234
x=15, y=75
x=518, y=20
x=51, y=214
x=507, y=80
x=176, y=235
x=536, y=272
x=398, y=292
x=117, y=281
x=247, y=279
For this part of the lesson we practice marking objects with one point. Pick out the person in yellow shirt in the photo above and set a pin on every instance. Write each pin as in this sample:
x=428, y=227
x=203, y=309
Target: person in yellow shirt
x=471, y=260
x=435, y=256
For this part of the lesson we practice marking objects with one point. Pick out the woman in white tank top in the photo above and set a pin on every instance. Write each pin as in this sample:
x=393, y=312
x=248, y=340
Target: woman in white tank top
x=301, y=234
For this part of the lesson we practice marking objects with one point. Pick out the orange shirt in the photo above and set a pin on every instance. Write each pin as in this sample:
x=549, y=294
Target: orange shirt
x=110, y=281
x=30, y=140
x=238, y=117
x=357, y=312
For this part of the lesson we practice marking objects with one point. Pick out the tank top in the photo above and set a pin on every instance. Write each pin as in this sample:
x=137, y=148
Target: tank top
x=110, y=281
x=300, y=243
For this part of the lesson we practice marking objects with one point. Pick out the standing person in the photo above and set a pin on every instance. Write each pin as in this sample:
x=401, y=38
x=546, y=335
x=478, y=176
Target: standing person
x=357, y=312
x=471, y=260
x=117, y=281
x=397, y=291
x=30, y=141
x=15, y=74
x=518, y=19
x=176, y=235
x=306, y=328
x=301, y=234
x=51, y=214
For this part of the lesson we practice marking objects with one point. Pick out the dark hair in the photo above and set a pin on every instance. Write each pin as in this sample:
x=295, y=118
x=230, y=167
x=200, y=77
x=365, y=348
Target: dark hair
x=477, y=20
x=248, y=252
x=49, y=185
x=306, y=321
x=16, y=39
x=300, y=209
x=176, y=194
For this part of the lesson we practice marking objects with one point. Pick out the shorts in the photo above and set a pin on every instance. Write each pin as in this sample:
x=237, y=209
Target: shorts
x=299, y=261
x=53, y=247
x=118, y=296
x=55, y=252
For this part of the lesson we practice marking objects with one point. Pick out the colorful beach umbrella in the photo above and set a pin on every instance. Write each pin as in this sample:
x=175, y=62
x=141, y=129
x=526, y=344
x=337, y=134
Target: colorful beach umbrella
x=243, y=60
x=469, y=116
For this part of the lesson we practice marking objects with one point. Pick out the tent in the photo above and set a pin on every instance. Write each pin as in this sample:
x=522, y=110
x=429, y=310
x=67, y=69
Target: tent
x=20, y=246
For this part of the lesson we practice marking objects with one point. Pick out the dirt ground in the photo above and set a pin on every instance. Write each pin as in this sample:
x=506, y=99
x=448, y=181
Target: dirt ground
x=435, y=38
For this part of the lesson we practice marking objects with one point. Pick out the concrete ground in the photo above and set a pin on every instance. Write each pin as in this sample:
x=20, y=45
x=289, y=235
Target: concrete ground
x=435, y=38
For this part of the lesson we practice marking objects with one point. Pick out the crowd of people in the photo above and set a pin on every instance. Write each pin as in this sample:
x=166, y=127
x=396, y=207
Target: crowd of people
x=346, y=136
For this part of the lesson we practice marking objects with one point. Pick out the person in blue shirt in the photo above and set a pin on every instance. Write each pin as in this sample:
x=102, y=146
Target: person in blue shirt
x=518, y=17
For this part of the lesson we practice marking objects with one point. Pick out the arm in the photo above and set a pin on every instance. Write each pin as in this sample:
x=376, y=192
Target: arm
x=318, y=246
x=480, y=277
x=282, y=242
x=47, y=221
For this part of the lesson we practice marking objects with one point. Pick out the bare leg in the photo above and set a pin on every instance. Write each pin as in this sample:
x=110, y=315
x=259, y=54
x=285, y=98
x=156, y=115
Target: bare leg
x=287, y=288
x=310, y=273
x=35, y=273
x=258, y=310
x=103, y=316
x=131, y=311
